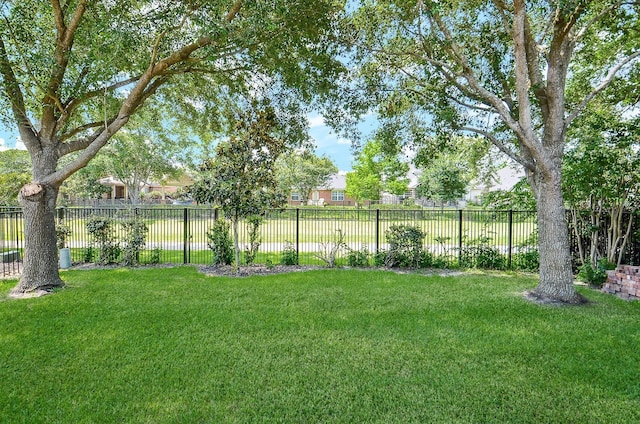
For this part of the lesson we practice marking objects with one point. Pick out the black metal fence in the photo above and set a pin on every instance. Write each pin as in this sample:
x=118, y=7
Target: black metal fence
x=466, y=238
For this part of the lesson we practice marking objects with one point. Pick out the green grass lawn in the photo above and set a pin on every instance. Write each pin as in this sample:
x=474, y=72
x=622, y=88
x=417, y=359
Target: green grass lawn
x=174, y=346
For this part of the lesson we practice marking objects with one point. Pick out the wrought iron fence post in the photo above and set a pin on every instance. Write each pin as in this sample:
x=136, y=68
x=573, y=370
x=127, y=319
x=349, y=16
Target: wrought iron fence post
x=510, y=238
x=185, y=244
x=298, y=236
x=459, y=235
x=377, y=230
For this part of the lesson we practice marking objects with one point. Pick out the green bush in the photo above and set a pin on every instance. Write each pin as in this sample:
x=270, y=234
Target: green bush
x=154, y=257
x=526, y=261
x=482, y=256
x=220, y=243
x=102, y=236
x=358, y=258
x=597, y=275
x=63, y=232
x=135, y=238
x=255, y=240
x=405, y=246
x=289, y=255
x=441, y=262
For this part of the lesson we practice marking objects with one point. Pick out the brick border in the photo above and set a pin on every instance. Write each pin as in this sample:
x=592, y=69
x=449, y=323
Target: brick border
x=624, y=282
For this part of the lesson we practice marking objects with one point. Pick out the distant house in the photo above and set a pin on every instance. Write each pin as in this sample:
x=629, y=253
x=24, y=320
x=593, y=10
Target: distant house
x=332, y=193
x=394, y=199
x=506, y=178
x=164, y=191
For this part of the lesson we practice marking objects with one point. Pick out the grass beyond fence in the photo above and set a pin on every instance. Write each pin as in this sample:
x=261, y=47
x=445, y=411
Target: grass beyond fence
x=173, y=346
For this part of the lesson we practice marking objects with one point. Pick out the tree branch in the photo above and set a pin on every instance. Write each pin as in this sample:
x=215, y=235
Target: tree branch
x=64, y=44
x=74, y=103
x=233, y=11
x=77, y=130
x=501, y=146
x=14, y=93
x=605, y=83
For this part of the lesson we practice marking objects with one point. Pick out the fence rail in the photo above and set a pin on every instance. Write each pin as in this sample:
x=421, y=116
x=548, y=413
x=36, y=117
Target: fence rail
x=467, y=238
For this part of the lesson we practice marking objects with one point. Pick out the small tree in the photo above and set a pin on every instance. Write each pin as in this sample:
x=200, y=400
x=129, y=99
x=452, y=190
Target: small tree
x=135, y=161
x=376, y=170
x=303, y=171
x=443, y=182
x=240, y=179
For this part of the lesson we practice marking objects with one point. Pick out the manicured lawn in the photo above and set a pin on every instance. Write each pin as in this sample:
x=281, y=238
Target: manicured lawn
x=174, y=346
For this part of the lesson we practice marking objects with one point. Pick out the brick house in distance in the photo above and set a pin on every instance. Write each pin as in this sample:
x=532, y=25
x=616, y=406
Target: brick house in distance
x=332, y=193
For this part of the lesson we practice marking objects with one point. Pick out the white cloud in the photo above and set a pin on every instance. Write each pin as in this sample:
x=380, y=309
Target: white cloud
x=315, y=121
x=20, y=145
x=3, y=146
x=343, y=141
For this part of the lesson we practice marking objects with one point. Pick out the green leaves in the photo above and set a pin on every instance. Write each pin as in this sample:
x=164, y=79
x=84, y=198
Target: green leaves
x=302, y=172
x=376, y=170
x=240, y=179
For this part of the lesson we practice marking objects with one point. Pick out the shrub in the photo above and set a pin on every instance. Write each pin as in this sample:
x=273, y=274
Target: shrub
x=62, y=233
x=220, y=243
x=380, y=258
x=135, y=237
x=251, y=250
x=479, y=254
x=358, y=258
x=482, y=256
x=289, y=255
x=441, y=262
x=594, y=275
x=405, y=246
x=154, y=258
x=526, y=260
x=102, y=235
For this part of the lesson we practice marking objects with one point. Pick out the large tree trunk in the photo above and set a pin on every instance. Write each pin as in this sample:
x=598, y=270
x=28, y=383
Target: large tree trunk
x=556, y=274
x=40, y=270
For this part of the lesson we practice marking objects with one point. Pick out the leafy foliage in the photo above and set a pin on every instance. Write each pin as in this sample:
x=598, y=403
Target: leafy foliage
x=443, y=182
x=405, y=246
x=15, y=171
x=302, y=172
x=135, y=160
x=251, y=250
x=219, y=242
x=240, y=179
x=289, y=255
x=595, y=275
x=376, y=170
x=63, y=232
x=103, y=238
x=358, y=258
x=134, y=239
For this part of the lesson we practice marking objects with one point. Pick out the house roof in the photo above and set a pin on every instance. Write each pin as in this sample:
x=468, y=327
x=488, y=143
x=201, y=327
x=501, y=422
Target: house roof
x=336, y=182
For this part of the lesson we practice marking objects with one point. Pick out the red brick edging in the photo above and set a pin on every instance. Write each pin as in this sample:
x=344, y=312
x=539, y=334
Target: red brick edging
x=624, y=282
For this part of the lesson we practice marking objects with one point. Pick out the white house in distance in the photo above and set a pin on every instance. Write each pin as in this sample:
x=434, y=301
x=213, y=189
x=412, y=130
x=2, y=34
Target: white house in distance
x=506, y=178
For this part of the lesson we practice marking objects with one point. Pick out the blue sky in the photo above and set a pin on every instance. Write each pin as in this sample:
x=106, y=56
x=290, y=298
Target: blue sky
x=327, y=142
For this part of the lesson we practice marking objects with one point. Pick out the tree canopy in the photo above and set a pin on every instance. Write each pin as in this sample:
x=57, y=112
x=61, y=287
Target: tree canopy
x=515, y=72
x=14, y=173
x=375, y=171
x=303, y=171
x=73, y=74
